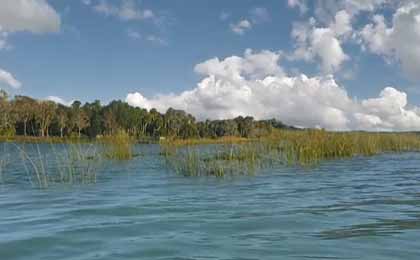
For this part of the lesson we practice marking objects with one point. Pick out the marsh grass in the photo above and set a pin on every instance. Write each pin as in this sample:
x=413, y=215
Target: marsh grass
x=70, y=164
x=118, y=146
x=305, y=148
x=203, y=141
x=217, y=160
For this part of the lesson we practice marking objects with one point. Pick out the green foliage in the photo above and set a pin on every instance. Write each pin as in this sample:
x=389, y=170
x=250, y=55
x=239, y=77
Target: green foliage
x=302, y=148
x=119, y=146
x=25, y=116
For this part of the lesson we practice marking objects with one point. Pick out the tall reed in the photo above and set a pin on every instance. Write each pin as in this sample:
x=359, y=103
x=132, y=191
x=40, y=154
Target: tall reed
x=303, y=148
x=118, y=146
x=73, y=163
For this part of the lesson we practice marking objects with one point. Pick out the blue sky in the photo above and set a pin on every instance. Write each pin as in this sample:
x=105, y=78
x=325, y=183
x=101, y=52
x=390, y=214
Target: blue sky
x=106, y=49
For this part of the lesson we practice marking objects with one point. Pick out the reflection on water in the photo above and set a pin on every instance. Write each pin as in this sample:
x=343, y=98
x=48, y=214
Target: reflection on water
x=363, y=208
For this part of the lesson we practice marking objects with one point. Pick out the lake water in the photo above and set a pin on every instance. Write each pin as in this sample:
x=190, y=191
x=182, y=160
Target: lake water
x=360, y=208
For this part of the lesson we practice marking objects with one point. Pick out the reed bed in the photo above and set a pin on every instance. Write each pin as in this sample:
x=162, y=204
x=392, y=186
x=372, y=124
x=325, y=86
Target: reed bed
x=304, y=148
x=202, y=141
x=196, y=161
x=118, y=146
x=69, y=164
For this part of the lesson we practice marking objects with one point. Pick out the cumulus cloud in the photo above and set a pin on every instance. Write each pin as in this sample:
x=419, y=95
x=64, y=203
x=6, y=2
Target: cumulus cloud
x=128, y=10
x=242, y=86
x=300, y=4
x=323, y=43
x=8, y=79
x=35, y=16
x=400, y=41
x=241, y=27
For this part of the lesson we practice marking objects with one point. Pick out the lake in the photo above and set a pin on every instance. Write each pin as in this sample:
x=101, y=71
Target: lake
x=359, y=208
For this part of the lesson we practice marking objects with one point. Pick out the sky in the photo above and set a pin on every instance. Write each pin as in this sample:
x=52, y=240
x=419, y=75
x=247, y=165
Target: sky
x=335, y=64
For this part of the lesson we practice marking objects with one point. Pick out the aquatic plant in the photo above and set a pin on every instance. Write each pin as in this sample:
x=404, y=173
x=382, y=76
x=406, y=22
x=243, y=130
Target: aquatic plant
x=118, y=146
x=304, y=148
x=202, y=141
x=218, y=160
x=73, y=163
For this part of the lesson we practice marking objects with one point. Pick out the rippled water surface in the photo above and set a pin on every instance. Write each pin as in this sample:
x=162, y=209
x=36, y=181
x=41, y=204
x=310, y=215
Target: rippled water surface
x=361, y=208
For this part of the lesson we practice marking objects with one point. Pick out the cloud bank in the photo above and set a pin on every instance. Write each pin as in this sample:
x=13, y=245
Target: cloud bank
x=256, y=85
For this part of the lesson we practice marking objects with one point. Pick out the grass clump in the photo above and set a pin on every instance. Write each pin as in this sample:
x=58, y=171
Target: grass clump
x=309, y=147
x=218, y=160
x=303, y=148
x=70, y=164
x=204, y=141
x=118, y=146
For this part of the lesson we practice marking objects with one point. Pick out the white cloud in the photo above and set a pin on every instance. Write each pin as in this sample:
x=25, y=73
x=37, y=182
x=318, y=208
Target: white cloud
x=59, y=100
x=242, y=86
x=8, y=79
x=241, y=27
x=128, y=10
x=325, y=10
x=300, y=4
x=323, y=43
x=400, y=41
x=251, y=66
x=35, y=16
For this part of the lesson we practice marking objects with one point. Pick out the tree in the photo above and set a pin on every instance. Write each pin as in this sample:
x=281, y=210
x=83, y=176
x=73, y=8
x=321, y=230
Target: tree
x=95, y=114
x=62, y=119
x=7, y=119
x=24, y=109
x=44, y=115
x=110, y=122
x=79, y=118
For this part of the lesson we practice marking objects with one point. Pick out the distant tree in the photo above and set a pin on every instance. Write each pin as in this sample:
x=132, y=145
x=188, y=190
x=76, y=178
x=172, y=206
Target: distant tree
x=110, y=122
x=62, y=119
x=7, y=117
x=95, y=114
x=24, y=109
x=22, y=113
x=79, y=118
x=44, y=115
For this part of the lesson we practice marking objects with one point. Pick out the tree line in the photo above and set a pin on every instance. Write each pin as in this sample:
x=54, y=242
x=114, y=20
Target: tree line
x=26, y=116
